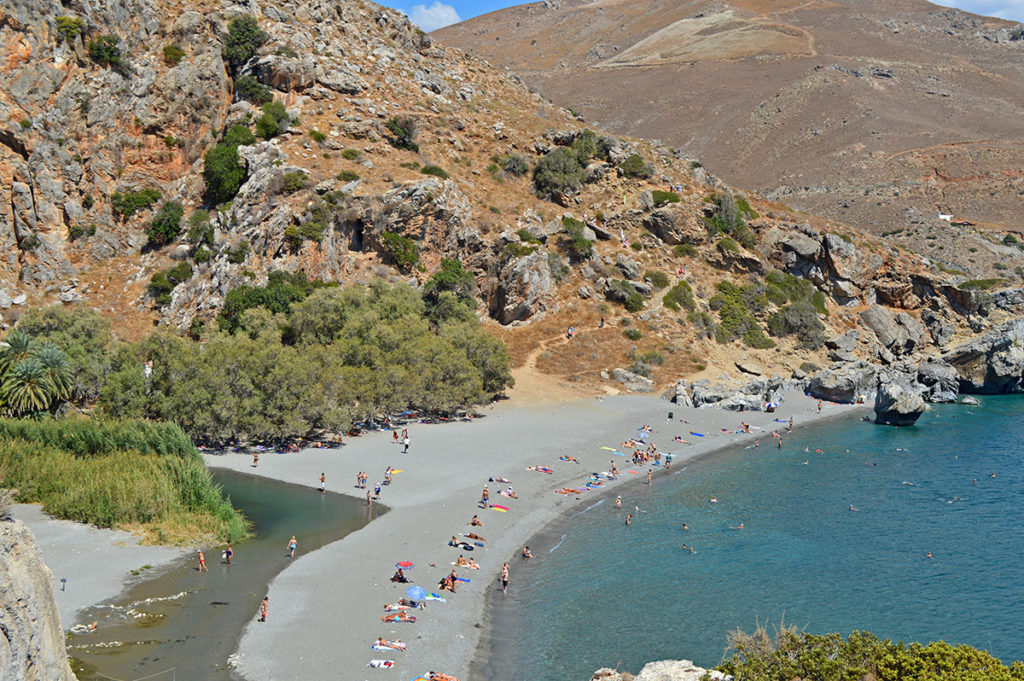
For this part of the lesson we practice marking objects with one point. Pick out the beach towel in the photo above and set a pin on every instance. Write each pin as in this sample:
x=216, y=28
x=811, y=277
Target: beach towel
x=381, y=664
x=498, y=507
x=696, y=434
x=421, y=678
x=461, y=579
x=434, y=597
x=393, y=646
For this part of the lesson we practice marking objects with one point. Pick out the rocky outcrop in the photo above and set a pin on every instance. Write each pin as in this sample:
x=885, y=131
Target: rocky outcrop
x=523, y=285
x=31, y=638
x=939, y=379
x=899, y=334
x=992, y=363
x=846, y=383
x=632, y=381
x=898, y=404
x=676, y=224
x=665, y=670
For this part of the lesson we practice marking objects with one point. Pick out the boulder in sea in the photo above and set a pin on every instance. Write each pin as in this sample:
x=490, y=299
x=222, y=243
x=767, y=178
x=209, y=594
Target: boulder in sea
x=898, y=404
x=967, y=399
x=665, y=670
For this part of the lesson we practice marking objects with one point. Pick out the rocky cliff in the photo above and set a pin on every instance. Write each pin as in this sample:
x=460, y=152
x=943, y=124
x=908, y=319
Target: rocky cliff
x=32, y=641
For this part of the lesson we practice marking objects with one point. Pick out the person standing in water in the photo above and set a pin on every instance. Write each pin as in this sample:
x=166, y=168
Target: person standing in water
x=323, y=482
x=263, y=609
x=228, y=553
x=292, y=545
x=504, y=578
x=618, y=503
x=202, y=562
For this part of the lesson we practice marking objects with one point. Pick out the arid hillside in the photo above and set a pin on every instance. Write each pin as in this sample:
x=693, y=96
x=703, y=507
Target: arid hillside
x=879, y=114
x=156, y=156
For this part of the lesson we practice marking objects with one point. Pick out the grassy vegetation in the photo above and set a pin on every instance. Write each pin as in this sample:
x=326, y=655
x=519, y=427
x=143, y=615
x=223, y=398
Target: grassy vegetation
x=860, y=657
x=117, y=474
x=980, y=284
x=662, y=198
x=679, y=297
x=656, y=278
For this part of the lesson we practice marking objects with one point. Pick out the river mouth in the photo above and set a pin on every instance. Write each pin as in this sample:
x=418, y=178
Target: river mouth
x=183, y=624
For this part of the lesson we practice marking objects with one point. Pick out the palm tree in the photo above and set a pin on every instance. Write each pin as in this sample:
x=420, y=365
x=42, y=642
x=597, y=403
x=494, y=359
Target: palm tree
x=27, y=388
x=19, y=346
x=58, y=370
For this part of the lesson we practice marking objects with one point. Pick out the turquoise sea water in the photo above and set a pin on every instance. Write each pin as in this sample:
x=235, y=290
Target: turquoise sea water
x=604, y=594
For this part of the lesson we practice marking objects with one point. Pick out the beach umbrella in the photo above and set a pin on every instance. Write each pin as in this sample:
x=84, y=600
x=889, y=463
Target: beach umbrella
x=772, y=404
x=404, y=565
x=416, y=593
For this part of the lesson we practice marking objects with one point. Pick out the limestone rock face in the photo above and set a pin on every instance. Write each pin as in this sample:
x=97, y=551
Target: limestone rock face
x=992, y=363
x=845, y=383
x=31, y=638
x=898, y=404
x=899, y=334
x=523, y=284
x=665, y=670
x=940, y=379
x=675, y=225
x=631, y=381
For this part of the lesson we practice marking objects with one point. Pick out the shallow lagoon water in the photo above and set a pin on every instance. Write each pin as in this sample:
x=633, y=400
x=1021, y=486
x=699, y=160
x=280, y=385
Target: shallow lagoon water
x=603, y=594
x=184, y=625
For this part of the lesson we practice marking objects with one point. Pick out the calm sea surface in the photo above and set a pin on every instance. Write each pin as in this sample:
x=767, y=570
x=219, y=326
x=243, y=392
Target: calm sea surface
x=604, y=594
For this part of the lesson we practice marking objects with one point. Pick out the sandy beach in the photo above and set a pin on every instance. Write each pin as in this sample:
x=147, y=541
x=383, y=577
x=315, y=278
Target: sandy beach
x=96, y=563
x=325, y=608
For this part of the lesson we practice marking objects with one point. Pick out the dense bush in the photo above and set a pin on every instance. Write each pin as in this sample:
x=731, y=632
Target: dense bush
x=559, y=172
x=436, y=171
x=173, y=55
x=795, y=655
x=351, y=154
x=238, y=254
x=687, y=250
x=128, y=203
x=251, y=90
x=166, y=224
x=82, y=333
x=294, y=181
x=282, y=289
x=347, y=176
x=799, y=319
x=403, y=133
x=114, y=473
x=223, y=171
x=734, y=304
x=200, y=229
x=634, y=302
x=656, y=278
x=244, y=38
x=274, y=121
x=662, y=198
x=633, y=334
x=577, y=246
x=401, y=250
x=69, y=28
x=163, y=283
x=515, y=165
x=636, y=166
x=679, y=297
x=317, y=136
x=104, y=50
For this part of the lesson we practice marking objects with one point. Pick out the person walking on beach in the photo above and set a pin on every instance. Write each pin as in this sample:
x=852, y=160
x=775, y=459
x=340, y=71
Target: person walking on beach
x=615, y=471
x=292, y=545
x=263, y=609
x=202, y=562
x=405, y=442
x=228, y=553
x=369, y=498
x=323, y=482
x=790, y=427
x=394, y=436
x=485, y=497
x=255, y=459
x=650, y=478
x=504, y=578
x=819, y=406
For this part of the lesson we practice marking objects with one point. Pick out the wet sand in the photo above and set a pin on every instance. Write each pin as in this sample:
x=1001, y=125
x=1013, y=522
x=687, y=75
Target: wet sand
x=327, y=605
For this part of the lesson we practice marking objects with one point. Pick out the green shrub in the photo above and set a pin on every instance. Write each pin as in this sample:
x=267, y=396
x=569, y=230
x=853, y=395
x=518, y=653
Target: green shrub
x=980, y=284
x=526, y=236
x=200, y=230
x=239, y=135
x=559, y=172
x=69, y=28
x=634, y=302
x=173, y=55
x=515, y=165
x=585, y=146
x=727, y=245
x=202, y=255
x=347, y=176
x=295, y=181
x=651, y=357
x=293, y=237
x=287, y=51
x=351, y=154
x=680, y=296
x=514, y=250
x=251, y=90
x=274, y=121
x=411, y=165
x=662, y=198
x=403, y=133
x=1011, y=240
x=436, y=171
x=577, y=245
x=163, y=283
x=128, y=203
x=636, y=167
x=87, y=202
x=238, y=254
x=687, y=250
x=734, y=304
x=282, y=290
x=104, y=51
x=799, y=319
x=633, y=334
x=74, y=232
x=244, y=38
x=223, y=172
x=401, y=250
x=166, y=224
x=317, y=136
x=25, y=123
x=657, y=278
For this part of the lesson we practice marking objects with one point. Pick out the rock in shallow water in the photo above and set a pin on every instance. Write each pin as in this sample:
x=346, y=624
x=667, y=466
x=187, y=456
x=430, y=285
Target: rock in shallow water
x=897, y=404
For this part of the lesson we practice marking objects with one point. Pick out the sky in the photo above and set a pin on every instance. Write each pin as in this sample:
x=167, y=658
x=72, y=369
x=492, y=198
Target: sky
x=433, y=14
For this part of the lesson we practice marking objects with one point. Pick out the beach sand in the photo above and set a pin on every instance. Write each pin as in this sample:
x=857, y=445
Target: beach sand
x=325, y=607
x=97, y=563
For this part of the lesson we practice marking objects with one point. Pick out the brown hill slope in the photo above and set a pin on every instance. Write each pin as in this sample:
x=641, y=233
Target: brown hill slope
x=335, y=194
x=881, y=114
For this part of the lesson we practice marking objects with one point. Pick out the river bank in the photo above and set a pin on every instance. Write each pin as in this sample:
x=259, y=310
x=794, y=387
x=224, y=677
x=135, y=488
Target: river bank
x=328, y=604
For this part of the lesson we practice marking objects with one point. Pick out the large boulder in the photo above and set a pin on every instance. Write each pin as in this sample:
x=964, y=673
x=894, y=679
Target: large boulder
x=675, y=670
x=522, y=288
x=632, y=381
x=898, y=404
x=940, y=380
x=844, y=384
x=899, y=334
x=680, y=394
x=992, y=363
x=629, y=267
x=705, y=393
x=675, y=224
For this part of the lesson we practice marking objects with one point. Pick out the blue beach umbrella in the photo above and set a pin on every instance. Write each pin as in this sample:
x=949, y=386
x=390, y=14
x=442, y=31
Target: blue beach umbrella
x=416, y=593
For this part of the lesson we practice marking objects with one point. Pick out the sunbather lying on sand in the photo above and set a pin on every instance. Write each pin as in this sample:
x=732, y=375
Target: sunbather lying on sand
x=393, y=645
x=504, y=480
x=472, y=565
x=568, y=458
x=399, y=617
x=472, y=535
x=434, y=676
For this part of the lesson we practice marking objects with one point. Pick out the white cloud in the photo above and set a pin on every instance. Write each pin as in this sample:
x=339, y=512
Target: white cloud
x=1005, y=9
x=433, y=17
